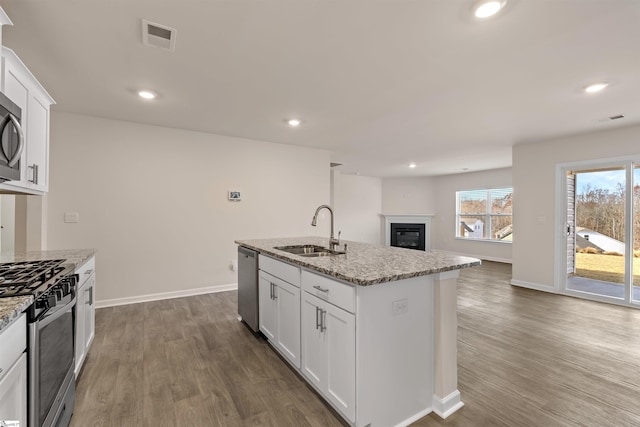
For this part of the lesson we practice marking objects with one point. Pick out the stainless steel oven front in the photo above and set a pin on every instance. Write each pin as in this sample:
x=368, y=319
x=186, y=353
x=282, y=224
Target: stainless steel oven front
x=51, y=357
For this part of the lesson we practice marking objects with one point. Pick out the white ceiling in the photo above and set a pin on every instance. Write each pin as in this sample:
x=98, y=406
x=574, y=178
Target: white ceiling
x=378, y=83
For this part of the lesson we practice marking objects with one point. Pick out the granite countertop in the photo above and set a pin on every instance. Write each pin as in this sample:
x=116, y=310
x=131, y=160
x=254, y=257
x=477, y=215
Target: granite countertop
x=364, y=264
x=11, y=308
x=72, y=256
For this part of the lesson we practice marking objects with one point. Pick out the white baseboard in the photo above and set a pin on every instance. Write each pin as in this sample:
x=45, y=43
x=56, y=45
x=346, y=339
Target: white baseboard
x=486, y=258
x=448, y=405
x=414, y=418
x=165, y=295
x=535, y=286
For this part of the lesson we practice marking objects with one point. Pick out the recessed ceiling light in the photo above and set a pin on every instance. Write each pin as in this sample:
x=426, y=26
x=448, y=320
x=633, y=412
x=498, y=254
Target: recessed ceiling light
x=412, y=165
x=147, y=94
x=294, y=122
x=596, y=87
x=486, y=9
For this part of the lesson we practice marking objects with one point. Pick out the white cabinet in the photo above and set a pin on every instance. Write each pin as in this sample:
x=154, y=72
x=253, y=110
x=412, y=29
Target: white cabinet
x=22, y=88
x=328, y=351
x=280, y=315
x=85, y=312
x=367, y=350
x=13, y=372
x=268, y=316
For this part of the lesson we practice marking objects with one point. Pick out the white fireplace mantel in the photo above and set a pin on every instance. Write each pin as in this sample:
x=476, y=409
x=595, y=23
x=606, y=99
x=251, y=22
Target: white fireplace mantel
x=408, y=219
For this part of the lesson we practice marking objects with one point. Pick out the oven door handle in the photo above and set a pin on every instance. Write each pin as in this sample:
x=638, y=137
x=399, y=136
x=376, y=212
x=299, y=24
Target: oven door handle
x=47, y=318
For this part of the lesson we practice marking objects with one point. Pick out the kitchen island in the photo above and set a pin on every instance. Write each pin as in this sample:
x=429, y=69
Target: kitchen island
x=373, y=330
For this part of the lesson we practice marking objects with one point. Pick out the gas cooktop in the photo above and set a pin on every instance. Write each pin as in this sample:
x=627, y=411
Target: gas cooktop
x=29, y=277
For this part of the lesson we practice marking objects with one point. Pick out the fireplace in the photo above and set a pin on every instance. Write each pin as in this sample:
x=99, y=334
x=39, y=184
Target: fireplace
x=416, y=233
x=410, y=236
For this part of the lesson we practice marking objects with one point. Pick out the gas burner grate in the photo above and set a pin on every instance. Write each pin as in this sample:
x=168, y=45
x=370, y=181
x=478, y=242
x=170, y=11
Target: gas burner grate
x=24, y=278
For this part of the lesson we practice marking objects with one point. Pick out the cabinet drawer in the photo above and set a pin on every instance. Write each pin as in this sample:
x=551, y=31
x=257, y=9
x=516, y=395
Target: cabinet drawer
x=337, y=293
x=86, y=270
x=282, y=270
x=14, y=342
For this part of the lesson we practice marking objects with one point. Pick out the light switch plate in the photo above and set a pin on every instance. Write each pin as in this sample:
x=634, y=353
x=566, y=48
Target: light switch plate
x=71, y=217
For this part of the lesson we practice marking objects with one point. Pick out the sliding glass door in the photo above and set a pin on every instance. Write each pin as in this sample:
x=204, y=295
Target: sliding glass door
x=602, y=225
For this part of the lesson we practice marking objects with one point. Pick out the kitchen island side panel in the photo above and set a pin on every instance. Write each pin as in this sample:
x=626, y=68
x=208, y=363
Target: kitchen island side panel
x=394, y=352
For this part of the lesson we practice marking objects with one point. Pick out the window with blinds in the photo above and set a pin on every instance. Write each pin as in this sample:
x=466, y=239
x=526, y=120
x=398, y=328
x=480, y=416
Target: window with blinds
x=485, y=214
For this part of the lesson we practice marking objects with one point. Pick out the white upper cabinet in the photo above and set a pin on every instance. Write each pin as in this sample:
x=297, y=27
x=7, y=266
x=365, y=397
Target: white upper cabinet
x=19, y=85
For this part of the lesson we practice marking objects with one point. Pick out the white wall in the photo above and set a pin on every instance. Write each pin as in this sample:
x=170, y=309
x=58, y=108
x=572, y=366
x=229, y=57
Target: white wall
x=408, y=196
x=444, y=223
x=534, y=168
x=357, y=202
x=8, y=222
x=153, y=200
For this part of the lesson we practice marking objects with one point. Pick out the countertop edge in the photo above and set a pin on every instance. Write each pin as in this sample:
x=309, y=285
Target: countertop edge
x=12, y=308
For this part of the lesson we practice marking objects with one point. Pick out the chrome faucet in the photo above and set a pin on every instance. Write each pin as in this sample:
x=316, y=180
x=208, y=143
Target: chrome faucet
x=333, y=242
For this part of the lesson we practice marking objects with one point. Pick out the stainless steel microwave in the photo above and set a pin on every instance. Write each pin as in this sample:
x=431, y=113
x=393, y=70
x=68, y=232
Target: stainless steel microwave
x=12, y=139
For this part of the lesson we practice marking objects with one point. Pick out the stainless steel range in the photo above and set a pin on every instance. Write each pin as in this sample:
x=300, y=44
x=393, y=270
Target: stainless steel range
x=50, y=346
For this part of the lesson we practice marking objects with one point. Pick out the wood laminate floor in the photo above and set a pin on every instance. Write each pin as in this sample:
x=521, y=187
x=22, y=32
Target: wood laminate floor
x=525, y=358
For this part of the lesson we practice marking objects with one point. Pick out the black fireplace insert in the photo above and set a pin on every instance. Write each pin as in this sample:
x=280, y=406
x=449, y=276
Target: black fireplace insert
x=410, y=236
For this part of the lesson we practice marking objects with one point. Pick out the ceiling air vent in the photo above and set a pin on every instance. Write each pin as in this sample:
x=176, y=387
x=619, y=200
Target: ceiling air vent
x=158, y=35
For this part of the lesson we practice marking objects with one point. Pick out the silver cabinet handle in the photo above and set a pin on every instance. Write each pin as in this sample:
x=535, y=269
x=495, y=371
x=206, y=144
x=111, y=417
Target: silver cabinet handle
x=318, y=318
x=90, y=302
x=320, y=289
x=34, y=176
x=16, y=157
x=270, y=290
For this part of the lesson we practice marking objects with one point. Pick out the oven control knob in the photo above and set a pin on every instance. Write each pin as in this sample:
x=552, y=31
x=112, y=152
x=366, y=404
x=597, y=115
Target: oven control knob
x=59, y=292
x=65, y=287
x=51, y=300
x=41, y=303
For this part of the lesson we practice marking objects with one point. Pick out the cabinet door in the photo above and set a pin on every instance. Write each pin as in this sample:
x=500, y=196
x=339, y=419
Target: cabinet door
x=288, y=331
x=80, y=330
x=268, y=306
x=13, y=392
x=89, y=312
x=341, y=360
x=313, y=351
x=38, y=146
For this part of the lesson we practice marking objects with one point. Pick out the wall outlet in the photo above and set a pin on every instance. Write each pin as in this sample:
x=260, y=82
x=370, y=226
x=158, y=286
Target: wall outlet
x=71, y=217
x=400, y=307
x=234, y=265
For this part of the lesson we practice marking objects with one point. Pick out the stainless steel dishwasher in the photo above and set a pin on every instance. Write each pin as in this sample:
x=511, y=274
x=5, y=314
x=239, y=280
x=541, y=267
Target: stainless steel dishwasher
x=248, y=287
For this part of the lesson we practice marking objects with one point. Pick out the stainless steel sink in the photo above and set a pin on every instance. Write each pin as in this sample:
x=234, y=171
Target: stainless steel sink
x=308, y=250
